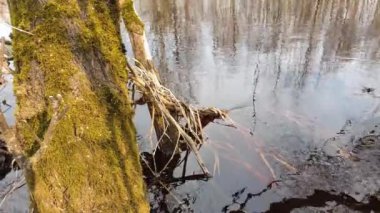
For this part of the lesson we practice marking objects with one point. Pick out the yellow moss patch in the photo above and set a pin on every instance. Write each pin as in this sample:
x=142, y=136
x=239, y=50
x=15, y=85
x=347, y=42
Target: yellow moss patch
x=133, y=21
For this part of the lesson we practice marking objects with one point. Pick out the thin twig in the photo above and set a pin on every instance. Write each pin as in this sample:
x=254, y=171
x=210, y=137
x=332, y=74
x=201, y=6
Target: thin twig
x=18, y=29
x=171, y=157
x=267, y=164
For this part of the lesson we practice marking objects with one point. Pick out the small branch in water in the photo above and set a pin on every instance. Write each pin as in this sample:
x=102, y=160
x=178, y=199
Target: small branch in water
x=236, y=196
x=4, y=102
x=185, y=164
x=190, y=177
x=267, y=164
x=227, y=125
x=171, y=193
x=171, y=157
x=283, y=162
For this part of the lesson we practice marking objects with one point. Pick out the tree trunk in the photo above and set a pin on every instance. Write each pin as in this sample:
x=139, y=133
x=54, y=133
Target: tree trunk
x=91, y=162
x=167, y=134
x=166, y=114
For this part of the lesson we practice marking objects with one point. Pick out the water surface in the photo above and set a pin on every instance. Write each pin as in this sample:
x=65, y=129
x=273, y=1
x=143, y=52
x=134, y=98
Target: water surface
x=292, y=74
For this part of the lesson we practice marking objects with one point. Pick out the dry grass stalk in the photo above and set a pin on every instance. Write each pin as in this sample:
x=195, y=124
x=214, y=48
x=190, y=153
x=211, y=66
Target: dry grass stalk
x=187, y=120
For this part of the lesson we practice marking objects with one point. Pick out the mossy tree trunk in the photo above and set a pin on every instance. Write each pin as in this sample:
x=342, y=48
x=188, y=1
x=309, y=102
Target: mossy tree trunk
x=136, y=31
x=91, y=163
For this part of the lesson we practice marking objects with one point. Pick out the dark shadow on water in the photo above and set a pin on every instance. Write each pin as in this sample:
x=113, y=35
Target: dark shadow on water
x=6, y=159
x=320, y=198
x=161, y=186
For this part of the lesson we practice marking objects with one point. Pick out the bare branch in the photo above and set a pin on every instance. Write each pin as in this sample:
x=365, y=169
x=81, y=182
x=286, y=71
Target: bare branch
x=59, y=112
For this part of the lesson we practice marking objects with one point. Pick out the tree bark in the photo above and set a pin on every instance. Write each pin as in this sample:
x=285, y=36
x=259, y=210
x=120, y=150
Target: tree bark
x=166, y=133
x=91, y=162
x=136, y=31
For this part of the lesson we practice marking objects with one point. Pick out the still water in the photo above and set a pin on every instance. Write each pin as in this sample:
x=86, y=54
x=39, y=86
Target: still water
x=292, y=74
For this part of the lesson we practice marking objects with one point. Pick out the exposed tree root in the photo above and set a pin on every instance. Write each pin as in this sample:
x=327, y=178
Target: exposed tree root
x=187, y=120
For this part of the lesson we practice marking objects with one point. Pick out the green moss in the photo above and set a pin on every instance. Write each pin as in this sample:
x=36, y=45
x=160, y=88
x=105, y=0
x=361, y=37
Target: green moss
x=33, y=128
x=108, y=43
x=92, y=162
x=133, y=21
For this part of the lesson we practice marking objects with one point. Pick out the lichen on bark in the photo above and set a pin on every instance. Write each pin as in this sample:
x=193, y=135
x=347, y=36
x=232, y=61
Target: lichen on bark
x=92, y=161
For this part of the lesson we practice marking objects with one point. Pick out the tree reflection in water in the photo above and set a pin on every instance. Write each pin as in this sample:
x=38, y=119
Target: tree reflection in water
x=314, y=59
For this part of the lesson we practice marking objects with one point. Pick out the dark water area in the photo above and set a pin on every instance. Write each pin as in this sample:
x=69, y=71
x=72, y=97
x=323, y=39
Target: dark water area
x=300, y=79
x=14, y=193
